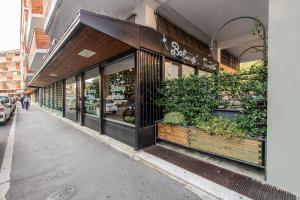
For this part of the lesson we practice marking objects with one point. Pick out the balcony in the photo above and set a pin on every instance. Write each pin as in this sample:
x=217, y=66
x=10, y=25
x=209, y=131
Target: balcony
x=39, y=47
x=50, y=7
x=10, y=78
x=10, y=86
x=35, y=18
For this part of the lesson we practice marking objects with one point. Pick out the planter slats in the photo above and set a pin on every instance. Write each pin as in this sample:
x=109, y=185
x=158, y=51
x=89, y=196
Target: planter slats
x=244, y=149
x=176, y=134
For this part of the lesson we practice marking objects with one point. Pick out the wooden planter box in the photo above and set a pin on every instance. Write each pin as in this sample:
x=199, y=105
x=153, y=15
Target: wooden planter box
x=246, y=150
x=243, y=149
x=173, y=133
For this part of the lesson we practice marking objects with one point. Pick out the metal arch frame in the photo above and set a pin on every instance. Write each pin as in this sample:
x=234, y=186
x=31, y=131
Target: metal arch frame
x=238, y=18
x=253, y=47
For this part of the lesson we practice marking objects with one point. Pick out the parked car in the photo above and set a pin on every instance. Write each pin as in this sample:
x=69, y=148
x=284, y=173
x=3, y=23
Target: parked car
x=8, y=101
x=14, y=103
x=111, y=106
x=5, y=112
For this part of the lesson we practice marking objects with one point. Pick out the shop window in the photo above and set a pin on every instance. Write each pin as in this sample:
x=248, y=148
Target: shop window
x=188, y=71
x=202, y=73
x=70, y=103
x=47, y=96
x=92, y=92
x=119, y=91
x=171, y=70
x=175, y=70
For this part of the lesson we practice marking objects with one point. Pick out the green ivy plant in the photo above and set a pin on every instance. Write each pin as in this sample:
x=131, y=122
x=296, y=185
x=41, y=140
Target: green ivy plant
x=220, y=126
x=253, y=98
x=175, y=118
x=194, y=97
x=197, y=96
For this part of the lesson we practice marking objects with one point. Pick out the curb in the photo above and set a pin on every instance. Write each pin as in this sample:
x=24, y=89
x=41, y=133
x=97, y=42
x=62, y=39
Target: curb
x=7, y=160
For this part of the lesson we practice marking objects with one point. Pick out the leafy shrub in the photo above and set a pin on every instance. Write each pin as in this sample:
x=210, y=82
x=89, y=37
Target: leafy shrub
x=129, y=119
x=197, y=96
x=220, y=126
x=253, y=98
x=175, y=118
x=194, y=96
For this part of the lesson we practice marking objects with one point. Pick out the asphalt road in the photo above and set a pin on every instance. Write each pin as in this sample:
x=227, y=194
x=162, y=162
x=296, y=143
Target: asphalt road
x=50, y=155
x=4, y=131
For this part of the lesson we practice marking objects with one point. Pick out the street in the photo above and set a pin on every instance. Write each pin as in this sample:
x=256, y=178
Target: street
x=50, y=155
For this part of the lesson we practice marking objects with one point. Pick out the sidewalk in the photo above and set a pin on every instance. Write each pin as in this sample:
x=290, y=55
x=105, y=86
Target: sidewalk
x=50, y=155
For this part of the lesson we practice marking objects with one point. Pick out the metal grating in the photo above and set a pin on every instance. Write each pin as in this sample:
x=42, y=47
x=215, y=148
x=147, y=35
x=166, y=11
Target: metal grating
x=244, y=185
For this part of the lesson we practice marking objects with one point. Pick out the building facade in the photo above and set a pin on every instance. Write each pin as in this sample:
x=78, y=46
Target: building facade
x=103, y=82
x=11, y=80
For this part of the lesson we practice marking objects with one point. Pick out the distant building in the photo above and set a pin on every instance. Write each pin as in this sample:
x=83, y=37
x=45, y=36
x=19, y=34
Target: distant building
x=10, y=73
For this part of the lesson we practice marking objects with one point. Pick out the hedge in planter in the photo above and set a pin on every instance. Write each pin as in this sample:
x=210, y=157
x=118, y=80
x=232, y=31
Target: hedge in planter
x=193, y=96
x=172, y=129
x=218, y=136
x=197, y=96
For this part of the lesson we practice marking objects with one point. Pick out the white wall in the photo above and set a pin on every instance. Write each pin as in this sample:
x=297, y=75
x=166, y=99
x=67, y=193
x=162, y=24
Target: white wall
x=283, y=147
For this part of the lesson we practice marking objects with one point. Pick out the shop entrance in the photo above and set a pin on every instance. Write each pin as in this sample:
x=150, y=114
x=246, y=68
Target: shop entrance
x=79, y=103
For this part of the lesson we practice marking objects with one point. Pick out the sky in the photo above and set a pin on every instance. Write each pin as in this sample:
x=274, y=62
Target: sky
x=10, y=24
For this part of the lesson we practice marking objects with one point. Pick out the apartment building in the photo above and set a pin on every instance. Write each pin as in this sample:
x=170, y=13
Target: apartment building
x=10, y=73
x=100, y=63
x=34, y=41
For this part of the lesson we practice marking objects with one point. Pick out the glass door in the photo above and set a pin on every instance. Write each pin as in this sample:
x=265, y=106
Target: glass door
x=79, y=103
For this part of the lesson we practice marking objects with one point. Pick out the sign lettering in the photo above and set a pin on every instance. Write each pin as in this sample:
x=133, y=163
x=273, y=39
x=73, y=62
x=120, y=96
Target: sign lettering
x=187, y=57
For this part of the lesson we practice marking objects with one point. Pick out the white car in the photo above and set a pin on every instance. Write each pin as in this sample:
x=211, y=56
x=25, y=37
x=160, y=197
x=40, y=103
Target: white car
x=8, y=101
x=5, y=112
x=110, y=106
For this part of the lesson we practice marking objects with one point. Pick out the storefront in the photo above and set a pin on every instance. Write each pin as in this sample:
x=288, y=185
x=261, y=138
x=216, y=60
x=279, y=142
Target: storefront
x=105, y=74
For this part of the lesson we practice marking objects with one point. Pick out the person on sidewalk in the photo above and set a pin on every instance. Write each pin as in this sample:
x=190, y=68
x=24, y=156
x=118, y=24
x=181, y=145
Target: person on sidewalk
x=26, y=102
x=22, y=101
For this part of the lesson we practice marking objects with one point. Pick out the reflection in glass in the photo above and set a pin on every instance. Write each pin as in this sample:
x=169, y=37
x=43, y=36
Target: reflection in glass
x=202, y=73
x=70, y=95
x=118, y=92
x=171, y=70
x=91, y=92
x=188, y=71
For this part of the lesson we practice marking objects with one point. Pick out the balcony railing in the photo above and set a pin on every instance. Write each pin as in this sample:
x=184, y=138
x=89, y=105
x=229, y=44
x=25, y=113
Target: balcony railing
x=39, y=46
x=50, y=7
x=35, y=18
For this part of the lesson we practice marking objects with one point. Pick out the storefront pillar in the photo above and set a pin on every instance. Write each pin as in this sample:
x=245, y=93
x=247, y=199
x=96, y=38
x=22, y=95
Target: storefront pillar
x=283, y=144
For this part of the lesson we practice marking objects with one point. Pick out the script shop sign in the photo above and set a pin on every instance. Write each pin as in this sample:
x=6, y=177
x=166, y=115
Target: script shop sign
x=188, y=56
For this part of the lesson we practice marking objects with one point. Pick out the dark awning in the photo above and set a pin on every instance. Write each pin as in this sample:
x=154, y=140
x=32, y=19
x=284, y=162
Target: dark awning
x=106, y=37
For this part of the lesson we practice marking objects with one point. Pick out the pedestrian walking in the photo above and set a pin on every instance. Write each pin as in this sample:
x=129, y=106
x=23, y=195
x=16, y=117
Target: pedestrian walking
x=26, y=102
x=22, y=101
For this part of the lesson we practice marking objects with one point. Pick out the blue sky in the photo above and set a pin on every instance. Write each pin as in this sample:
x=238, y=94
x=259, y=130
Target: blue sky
x=10, y=24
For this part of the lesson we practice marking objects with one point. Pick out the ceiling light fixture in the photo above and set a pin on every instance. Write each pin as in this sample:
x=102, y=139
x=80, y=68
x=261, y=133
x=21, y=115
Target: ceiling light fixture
x=86, y=53
x=53, y=75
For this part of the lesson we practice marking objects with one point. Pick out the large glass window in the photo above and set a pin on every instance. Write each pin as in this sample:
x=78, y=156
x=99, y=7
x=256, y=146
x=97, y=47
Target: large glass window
x=119, y=91
x=202, y=73
x=46, y=96
x=92, y=92
x=71, y=95
x=188, y=70
x=175, y=70
x=171, y=70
